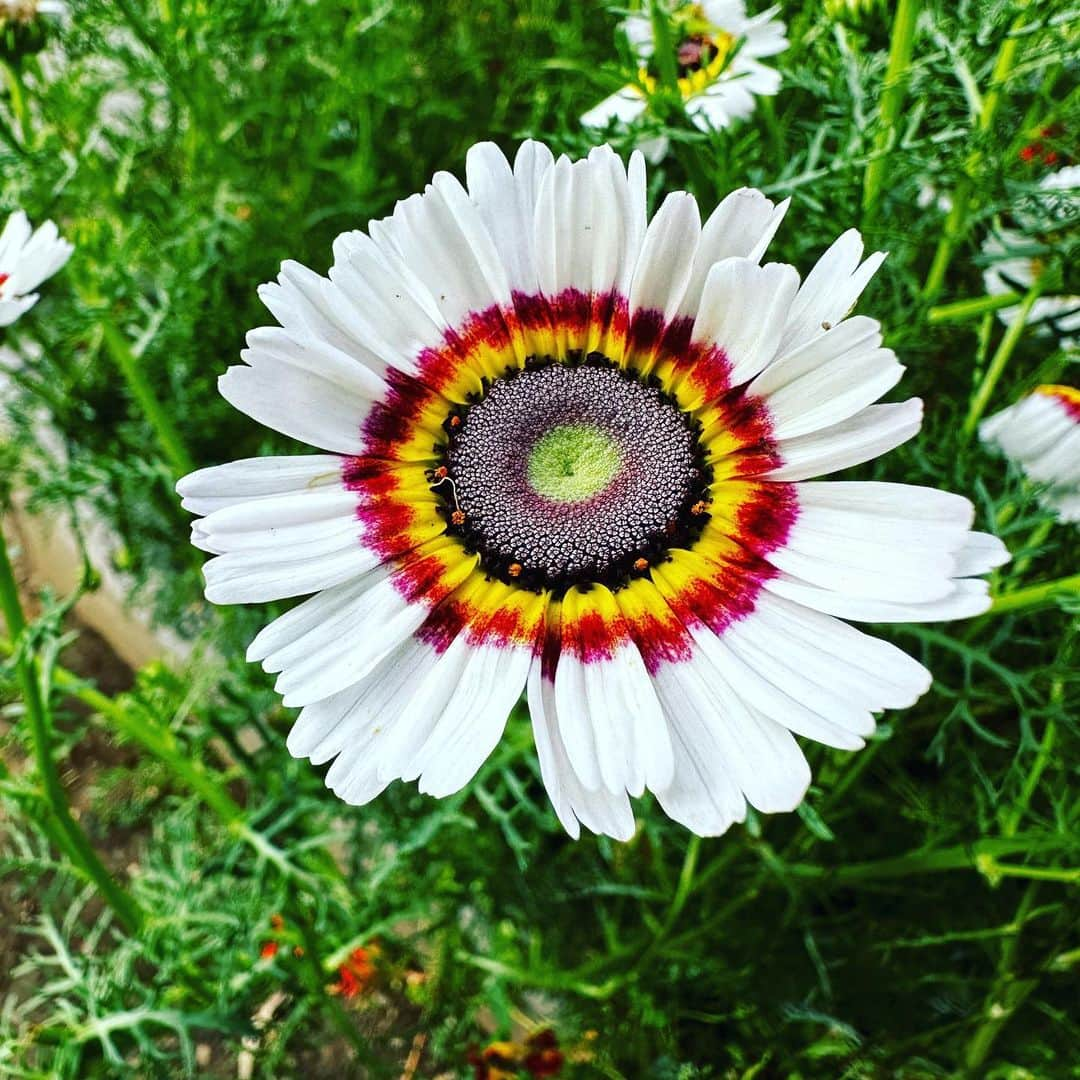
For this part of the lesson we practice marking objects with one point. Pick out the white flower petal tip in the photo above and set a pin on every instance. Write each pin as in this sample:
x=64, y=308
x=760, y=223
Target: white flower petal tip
x=569, y=451
x=1041, y=435
x=719, y=49
x=27, y=258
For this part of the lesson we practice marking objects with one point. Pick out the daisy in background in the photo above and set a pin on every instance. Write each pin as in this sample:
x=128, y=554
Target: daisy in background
x=27, y=258
x=1041, y=433
x=569, y=452
x=1015, y=259
x=718, y=51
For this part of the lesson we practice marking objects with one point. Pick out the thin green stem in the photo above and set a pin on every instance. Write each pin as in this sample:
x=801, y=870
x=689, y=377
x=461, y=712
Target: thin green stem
x=956, y=223
x=1036, y=596
x=169, y=440
x=1006, y=996
x=159, y=741
x=683, y=888
x=892, y=100
x=664, y=49
x=981, y=398
x=1031, y=545
x=76, y=844
x=978, y=855
x=17, y=96
x=1042, y=759
x=962, y=310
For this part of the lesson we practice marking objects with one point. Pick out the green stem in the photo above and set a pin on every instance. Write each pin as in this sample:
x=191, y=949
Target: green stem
x=981, y=398
x=159, y=741
x=1006, y=996
x=962, y=310
x=76, y=844
x=683, y=889
x=978, y=855
x=17, y=95
x=663, y=48
x=956, y=222
x=892, y=100
x=1033, y=542
x=1042, y=759
x=1035, y=596
x=169, y=440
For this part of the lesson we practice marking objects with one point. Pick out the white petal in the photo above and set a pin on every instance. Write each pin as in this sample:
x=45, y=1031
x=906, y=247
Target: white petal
x=245, y=577
x=378, y=306
x=439, y=235
x=867, y=435
x=600, y=811
x=766, y=685
x=702, y=795
x=830, y=290
x=833, y=392
x=969, y=596
x=251, y=479
x=322, y=655
x=743, y=310
x=740, y=227
x=664, y=265
x=981, y=553
x=622, y=107
x=473, y=720
x=864, y=568
x=297, y=403
x=506, y=201
x=10, y=310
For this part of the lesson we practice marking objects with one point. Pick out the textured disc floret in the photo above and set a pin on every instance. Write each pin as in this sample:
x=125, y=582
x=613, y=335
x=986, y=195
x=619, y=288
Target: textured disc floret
x=570, y=454
x=571, y=473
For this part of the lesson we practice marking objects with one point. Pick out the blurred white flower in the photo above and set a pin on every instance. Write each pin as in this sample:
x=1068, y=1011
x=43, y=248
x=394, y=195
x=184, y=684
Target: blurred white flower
x=1016, y=258
x=719, y=49
x=27, y=258
x=1041, y=433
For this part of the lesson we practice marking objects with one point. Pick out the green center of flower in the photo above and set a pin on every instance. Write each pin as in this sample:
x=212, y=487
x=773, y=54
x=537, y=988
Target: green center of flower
x=573, y=462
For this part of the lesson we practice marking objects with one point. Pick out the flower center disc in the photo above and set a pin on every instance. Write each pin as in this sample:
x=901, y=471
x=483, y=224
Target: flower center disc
x=573, y=462
x=575, y=472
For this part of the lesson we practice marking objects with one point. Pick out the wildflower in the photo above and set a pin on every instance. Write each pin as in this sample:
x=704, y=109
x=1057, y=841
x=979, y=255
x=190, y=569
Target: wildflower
x=719, y=49
x=542, y=1054
x=538, y=1057
x=357, y=974
x=1037, y=150
x=27, y=258
x=1016, y=259
x=1041, y=433
x=626, y=390
x=270, y=948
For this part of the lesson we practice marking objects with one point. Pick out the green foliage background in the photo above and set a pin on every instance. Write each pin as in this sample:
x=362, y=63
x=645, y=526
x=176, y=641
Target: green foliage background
x=916, y=918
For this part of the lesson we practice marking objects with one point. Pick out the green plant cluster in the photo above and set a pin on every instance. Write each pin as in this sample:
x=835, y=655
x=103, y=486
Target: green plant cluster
x=178, y=897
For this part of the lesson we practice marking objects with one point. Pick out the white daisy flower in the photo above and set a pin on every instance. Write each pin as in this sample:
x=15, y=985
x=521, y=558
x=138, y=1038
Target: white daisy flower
x=1015, y=260
x=1041, y=433
x=27, y=258
x=719, y=49
x=569, y=451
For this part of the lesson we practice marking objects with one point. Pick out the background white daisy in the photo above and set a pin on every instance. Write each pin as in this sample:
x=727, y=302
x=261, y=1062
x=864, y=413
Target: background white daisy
x=27, y=257
x=719, y=49
x=1041, y=433
x=1016, y=257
